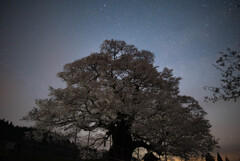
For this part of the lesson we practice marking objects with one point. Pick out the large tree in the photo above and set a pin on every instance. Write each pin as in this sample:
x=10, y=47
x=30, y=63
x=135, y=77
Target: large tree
x=119, y=93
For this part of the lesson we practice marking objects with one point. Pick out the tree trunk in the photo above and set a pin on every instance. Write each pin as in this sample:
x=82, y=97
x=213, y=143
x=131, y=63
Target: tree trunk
x=120, y=153
x=122, y=147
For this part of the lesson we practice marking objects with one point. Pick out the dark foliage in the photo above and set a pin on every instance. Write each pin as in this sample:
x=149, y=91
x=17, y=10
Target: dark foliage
x=229, y=66
x=209, y=157
x=16, y=143
x=11, y=132
x=219, y=158
x=150, y=157
x=226, y=158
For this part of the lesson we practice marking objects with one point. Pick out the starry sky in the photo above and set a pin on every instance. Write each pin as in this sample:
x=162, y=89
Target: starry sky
x=37, y=37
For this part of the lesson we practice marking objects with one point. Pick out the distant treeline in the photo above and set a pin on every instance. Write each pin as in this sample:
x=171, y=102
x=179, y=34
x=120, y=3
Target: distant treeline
x=20, y=143
x=11, y=132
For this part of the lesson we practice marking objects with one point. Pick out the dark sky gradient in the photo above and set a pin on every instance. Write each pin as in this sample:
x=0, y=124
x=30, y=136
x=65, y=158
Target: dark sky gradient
x=38, y=37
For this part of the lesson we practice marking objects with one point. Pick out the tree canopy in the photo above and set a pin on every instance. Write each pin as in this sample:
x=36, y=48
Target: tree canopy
x=229, y=66
x=119, y=93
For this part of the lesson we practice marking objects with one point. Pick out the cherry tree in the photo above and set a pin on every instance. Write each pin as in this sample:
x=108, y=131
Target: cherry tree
x=118, y=93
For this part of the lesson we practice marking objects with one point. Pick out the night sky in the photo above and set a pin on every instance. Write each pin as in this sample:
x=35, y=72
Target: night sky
x=38, y=37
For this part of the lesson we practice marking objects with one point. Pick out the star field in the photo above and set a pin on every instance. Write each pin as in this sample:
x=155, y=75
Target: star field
x=39, y=37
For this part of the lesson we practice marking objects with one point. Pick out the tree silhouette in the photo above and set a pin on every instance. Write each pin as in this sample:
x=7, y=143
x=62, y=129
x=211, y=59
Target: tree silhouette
x=226, y=158
x=209, y=157
x=229, y=66
x=118, y=93
x=219, y=158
